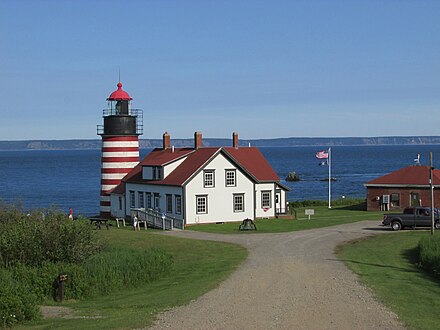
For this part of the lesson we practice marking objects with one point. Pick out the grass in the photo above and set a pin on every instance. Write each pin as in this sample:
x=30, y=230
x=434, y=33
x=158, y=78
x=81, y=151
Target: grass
x=388, y=264
x=199, y=266
x=323, y=217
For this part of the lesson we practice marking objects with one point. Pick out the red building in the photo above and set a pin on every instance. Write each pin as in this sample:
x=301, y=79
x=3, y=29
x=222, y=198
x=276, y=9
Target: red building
x=406, y=187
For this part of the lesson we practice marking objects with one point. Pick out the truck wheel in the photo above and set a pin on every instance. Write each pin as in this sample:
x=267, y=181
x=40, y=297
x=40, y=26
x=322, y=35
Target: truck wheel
x=396, y=225
x=437, y=225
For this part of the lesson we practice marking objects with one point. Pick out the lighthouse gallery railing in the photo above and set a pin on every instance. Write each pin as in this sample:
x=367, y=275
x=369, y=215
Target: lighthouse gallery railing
x=138, y=113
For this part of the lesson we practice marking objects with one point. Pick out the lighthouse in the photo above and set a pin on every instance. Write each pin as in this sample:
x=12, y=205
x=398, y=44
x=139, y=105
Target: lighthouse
x=120, y=143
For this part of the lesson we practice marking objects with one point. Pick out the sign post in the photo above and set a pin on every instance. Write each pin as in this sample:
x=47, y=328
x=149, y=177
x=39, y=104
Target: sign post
x=310, y=212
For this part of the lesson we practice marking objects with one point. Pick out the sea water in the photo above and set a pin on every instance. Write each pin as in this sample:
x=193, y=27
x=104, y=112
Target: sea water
x=71, y=178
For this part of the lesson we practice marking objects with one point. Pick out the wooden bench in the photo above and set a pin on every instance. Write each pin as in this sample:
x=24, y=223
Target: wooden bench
x=100, y=222
x=120, y=219
x=138, y=224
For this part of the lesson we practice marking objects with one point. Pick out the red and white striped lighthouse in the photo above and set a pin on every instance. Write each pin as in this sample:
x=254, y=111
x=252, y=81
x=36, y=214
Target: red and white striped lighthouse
x=120, y=143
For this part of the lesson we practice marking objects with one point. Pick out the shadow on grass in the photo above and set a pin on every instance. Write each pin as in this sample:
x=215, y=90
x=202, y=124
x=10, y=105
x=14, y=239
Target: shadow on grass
x=412, y=256
x=355, y=207
x=356, y=262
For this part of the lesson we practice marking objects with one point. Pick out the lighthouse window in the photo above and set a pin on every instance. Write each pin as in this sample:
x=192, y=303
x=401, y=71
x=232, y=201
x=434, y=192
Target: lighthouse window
x=132, y=199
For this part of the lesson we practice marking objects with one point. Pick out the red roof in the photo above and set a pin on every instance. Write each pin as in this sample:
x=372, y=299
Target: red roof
x=411, y=175
x=119, y=94
x=160, y=157
x=250, y=160
x=253, y=161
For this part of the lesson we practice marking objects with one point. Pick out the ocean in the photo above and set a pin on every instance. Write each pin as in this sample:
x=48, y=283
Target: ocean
x=71, y=178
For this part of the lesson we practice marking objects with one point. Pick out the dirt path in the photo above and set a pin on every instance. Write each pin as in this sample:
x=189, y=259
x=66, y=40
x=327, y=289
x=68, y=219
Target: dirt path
x=289, y=281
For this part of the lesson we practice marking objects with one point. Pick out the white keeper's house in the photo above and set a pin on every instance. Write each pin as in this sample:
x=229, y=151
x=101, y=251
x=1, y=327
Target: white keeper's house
x=202, y=184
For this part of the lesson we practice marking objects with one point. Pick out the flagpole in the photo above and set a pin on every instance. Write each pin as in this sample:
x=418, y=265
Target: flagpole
x=329, y=178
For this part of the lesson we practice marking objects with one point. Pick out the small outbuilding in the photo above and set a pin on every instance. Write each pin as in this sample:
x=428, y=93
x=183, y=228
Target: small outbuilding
x=403, y=188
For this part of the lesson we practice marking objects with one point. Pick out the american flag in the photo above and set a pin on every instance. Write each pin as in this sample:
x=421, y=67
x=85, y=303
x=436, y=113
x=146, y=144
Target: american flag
x=322, y=154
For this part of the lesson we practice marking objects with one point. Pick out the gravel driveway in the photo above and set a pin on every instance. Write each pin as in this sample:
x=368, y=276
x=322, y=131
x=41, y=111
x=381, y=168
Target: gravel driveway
x=289, y=281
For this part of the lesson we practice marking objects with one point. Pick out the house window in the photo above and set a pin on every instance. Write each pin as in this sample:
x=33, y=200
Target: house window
x=148, y=198
x=230, y=178
x=169, y=203
x=265, y=199
x=120, y=202
x=141, y=199
x=238, y=202
x=202, y=204
x=395, y=199
x=132, y=199
x=178, y=204
x=208, y=181
x=157, y=173
x=156, y=201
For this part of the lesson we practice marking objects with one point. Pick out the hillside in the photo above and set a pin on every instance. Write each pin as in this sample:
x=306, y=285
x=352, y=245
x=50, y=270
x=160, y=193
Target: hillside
x=278, y=142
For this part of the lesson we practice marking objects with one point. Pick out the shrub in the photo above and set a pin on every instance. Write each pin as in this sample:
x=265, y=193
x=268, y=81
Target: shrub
x=36, y=247
x=335, y=202
x=17, y=302
x=41, y=236
x=429, y=254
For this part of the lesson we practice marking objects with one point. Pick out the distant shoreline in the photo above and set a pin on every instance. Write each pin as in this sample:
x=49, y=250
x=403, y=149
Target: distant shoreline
x=85, y=144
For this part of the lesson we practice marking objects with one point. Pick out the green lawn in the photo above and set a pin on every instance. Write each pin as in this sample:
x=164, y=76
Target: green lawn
x=323, y=217
x=388, y=264
x=199, y=266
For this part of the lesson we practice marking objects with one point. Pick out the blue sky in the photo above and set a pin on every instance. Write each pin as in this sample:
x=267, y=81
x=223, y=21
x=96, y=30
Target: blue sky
x=263, y=68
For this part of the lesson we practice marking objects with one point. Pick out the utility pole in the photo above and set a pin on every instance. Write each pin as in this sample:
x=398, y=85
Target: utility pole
x=431, y=187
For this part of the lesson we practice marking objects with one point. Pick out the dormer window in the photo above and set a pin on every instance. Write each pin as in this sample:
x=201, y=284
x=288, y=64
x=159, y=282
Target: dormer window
x=157, y=173
x=152, y=173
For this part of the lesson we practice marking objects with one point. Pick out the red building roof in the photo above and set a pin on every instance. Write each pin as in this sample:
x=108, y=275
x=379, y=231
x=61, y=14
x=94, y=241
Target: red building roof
x=409, y=176
x=119, y=94
x=250, y=160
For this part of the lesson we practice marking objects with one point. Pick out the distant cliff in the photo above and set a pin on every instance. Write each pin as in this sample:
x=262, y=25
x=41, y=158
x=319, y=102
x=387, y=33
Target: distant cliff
x=279, y=142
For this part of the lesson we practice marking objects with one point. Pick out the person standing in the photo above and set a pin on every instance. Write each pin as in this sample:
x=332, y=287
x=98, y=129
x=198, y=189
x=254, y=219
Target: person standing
x=135, y=223
x=70, y=214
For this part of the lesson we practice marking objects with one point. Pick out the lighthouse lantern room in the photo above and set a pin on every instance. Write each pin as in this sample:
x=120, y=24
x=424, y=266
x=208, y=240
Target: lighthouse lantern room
x=120, y=143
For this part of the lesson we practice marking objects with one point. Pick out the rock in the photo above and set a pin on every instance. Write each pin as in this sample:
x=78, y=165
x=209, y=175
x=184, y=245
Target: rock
x=292, y=176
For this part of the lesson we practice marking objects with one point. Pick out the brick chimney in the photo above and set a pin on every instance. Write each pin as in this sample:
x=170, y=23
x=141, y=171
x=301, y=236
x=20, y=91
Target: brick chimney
x=166, y=141
x=235, y=140
x=197, y=140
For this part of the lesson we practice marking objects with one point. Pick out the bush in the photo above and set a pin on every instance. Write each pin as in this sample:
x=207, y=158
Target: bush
x=335, y=202
x=429, y=254
x=36, y=247
x=17, y=302
x=41, y=236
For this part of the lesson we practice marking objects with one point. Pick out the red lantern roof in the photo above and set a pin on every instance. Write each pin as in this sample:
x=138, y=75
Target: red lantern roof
x=119, y=94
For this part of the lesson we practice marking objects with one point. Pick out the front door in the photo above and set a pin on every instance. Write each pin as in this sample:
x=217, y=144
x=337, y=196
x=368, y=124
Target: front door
x=278, y=208
x=415, y=200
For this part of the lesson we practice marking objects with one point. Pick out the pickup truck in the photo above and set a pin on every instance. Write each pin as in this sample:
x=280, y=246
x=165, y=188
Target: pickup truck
x=412, y=217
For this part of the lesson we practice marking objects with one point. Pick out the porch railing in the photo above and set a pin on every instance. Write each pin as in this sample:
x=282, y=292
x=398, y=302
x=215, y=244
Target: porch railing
x=157, y=219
